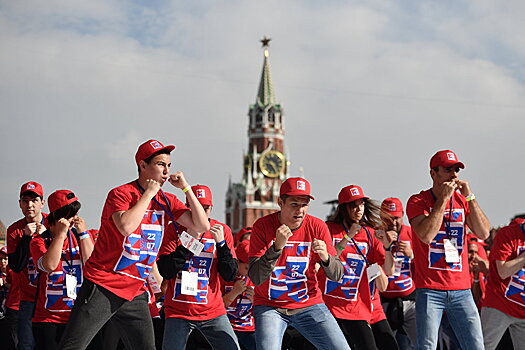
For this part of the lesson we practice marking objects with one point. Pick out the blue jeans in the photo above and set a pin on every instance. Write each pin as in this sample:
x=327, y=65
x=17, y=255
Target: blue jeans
x=462, y=314
x=315, y=323
x=217, y=331
x=26, y=341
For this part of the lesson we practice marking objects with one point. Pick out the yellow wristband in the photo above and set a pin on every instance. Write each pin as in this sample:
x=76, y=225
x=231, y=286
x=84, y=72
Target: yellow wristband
x=186, y=189
x=470, y=197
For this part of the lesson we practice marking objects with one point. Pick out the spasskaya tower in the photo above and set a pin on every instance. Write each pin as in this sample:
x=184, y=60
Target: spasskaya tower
x=265, y=163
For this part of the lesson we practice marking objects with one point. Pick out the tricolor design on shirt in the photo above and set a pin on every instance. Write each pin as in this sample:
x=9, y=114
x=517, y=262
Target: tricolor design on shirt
x=140, y=250
x=240, y=311
x=354, y=266
x=56, y=291
x=456, y=234
x=201, y=264
x=516, y=289
x=288, y=282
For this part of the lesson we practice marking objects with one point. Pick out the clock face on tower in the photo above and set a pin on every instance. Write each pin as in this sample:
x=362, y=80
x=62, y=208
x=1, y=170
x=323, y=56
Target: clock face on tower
x=271, y=163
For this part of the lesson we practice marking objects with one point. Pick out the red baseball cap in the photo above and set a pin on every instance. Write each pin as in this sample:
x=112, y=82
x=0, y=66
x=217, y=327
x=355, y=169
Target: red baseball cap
x=392, y=206
x=295, y=186
x=350, y=193
x=516, y=221
x=59, y=199
x=3, y=249
x=242, y=232
x=446, y=159
x=148, y=148
x=32, y=186
x=473, y=239
x=203, y=194
x=242, y=251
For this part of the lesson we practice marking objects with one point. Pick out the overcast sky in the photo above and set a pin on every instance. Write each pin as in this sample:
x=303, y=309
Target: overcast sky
x=370, y=89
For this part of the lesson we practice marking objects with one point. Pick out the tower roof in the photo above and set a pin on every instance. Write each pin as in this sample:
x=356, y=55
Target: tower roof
x=266, y=92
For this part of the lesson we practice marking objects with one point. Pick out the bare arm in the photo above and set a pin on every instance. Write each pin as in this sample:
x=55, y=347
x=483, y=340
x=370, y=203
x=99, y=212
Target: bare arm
x=426, y=227
x=86, y=244
x=382, y=281
x=129, y=220
x=50, y=260
x=509, y=268
x=476, y=220
x=195, y=220
x=387, y=239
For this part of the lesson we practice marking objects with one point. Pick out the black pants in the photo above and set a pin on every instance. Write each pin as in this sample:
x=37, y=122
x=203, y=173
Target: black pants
x=358, y=334
x=384, y=337
x=47, y=334
x=9, y=329
x=95, y=306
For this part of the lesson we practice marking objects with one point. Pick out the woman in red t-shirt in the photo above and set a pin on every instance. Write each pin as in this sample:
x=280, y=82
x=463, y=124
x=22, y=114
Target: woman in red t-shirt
x=59, y=253
x=349, y=300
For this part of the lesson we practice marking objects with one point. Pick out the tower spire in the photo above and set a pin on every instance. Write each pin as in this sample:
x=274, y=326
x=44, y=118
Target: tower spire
x=265, y=94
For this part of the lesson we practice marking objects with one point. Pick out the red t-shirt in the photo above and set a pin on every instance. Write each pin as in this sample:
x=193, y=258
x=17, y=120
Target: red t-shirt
x=27, y=278
x=402, y=285
x=207, y=304
x=293, y=281
x=240, y=311
x=13, y=297
x=349, y=299
x=53, y=304
x=431, y=269
x=507, y=295
x=122, y=264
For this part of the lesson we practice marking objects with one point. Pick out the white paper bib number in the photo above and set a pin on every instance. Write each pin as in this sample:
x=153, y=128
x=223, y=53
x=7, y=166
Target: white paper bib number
x=191, y=243
x=71, y=286
x=189, y=282
x=373, y=271
x=451, y=251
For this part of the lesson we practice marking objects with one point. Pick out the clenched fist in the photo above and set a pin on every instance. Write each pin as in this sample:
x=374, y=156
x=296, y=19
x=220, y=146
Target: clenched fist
x=282, y=234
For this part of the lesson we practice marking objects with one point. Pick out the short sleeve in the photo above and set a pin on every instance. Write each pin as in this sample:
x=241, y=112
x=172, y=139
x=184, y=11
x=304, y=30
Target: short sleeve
x=416, y=206
x=177, y=207
x=37, y=248
x=258, y=242
x=378, y=252
x=503, y=247
x=117, y=200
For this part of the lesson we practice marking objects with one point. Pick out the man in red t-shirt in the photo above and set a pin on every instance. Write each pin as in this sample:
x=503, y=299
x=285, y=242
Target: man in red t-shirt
x=19, y=234
x=284, y=250
x=134, y=219
x=504, y=303
x=399, y=298
x=193, y=265
x=439, y=217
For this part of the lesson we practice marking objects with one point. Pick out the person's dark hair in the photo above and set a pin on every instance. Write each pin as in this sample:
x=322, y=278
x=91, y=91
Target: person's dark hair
x=66, y=212
x=32, y=194
x=148, y=160
x=371, y=217
x=284, y=197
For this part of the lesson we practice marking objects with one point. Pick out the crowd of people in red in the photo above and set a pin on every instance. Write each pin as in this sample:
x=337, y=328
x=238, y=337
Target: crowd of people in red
x=163, y=274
